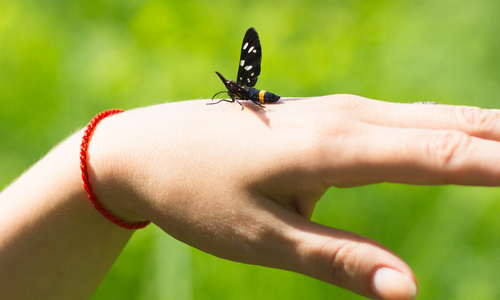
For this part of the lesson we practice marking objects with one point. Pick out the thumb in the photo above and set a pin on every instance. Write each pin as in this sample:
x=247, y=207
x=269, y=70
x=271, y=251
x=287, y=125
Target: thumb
x=347, y=260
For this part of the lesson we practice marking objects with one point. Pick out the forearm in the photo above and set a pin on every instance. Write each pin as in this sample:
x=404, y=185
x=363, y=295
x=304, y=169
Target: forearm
x=53, y=244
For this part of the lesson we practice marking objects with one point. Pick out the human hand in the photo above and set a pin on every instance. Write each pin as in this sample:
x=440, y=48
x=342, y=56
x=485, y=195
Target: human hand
x=242, y=185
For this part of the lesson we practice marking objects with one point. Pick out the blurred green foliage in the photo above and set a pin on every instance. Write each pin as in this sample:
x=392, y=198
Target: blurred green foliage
x=61, y=62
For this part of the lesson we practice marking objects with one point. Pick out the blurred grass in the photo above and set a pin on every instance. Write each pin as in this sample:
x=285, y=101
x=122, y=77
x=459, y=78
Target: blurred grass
x=61, y=62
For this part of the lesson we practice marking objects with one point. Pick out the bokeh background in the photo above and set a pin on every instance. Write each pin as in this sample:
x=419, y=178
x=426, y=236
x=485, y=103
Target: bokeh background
x=61, y=62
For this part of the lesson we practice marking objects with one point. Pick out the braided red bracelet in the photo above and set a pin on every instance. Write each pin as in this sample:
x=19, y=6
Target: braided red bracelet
x=85, y=174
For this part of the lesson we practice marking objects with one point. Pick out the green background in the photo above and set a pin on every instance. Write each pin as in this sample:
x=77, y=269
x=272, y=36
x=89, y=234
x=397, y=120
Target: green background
x=61, y=62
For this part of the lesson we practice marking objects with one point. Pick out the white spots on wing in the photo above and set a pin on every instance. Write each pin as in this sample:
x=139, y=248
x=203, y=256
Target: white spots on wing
x=254, y=51
x=241, y=78
x=245, y=46
x=242, y=62
x=251, y=49
x=248, y=68
x=252, y=74
x=248, y=80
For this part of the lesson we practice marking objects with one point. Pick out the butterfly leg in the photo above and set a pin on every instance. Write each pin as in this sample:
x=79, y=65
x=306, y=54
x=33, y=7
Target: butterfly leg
x=257, y=103
x=242, y=107
x=226, y=100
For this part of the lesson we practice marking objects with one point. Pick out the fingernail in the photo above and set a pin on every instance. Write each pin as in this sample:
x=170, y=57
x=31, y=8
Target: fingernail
x=390, y=284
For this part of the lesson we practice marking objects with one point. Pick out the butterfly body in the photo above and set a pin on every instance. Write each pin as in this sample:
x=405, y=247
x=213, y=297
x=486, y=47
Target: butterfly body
x=248, y=73
x=238, y=91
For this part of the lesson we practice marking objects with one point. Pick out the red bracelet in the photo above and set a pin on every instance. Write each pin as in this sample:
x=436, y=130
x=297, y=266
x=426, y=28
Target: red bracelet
x=85, y=174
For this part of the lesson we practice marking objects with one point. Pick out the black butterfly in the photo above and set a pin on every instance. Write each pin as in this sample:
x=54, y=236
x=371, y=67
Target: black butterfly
x=248, y=73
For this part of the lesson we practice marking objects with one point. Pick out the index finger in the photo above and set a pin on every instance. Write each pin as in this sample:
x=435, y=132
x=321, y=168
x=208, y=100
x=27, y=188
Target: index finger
x=475, y=121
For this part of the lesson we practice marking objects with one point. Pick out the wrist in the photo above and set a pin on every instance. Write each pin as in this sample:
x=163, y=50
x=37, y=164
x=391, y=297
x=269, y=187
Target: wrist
x=104, y=179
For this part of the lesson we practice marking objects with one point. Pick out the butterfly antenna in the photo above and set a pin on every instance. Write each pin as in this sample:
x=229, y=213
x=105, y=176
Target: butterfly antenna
x=219, y=100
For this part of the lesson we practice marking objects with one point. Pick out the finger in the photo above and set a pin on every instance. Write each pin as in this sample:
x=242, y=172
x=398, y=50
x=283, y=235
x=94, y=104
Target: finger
x=415, y=156
x=484, y=123
x=343, y=259
x=474, y=121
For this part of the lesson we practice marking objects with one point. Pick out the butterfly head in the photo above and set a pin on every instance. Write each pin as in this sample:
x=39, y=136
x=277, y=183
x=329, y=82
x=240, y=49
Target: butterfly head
x=231, y=86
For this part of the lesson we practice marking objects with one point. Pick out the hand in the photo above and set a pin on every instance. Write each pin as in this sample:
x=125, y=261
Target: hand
x=242, y=185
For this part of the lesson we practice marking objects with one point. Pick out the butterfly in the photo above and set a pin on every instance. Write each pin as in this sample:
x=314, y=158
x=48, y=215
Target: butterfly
x=248, y=73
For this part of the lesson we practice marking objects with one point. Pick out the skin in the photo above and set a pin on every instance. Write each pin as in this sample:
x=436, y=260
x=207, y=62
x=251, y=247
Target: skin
x=241, y=185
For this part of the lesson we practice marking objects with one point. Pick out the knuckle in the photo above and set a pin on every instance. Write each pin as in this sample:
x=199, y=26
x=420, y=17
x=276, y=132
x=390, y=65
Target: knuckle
x=327, y=140
x=477, y=120
x=338, y=128
x=349, y=103
x=447, y=146
x=341, y=263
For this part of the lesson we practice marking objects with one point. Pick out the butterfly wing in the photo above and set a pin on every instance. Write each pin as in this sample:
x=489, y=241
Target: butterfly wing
x=251, y=56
